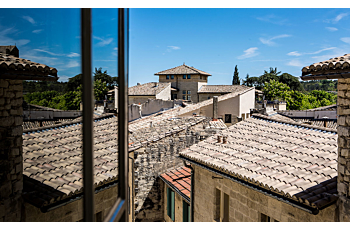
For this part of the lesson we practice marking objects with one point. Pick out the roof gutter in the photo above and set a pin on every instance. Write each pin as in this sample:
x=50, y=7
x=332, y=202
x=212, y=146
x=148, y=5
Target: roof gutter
x=74, y=198
x=326, y=76
x=305, y=208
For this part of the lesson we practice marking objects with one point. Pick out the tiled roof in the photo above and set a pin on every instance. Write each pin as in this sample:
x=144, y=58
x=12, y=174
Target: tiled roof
x=333, y=66
x=196, y=106
x=12, y=67
x=151, y=88
x=52, y=158
x=218, y=124
x=289, y=160
x=180, y=180
x=182, y=69
x=330, y=123
x=328, y=107
x=222, y=88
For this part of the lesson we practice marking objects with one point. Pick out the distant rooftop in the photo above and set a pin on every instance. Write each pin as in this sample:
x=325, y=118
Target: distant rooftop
x=222, y=88
x=334, y=68
x=182, y=69
x=151, y=88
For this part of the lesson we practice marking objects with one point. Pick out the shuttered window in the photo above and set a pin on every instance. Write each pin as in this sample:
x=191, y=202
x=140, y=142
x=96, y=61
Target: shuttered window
x=171, y=203
x=186, y=212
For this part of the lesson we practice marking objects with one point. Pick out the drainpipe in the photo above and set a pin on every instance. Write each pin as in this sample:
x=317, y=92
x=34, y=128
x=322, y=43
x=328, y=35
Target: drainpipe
x=192, y=191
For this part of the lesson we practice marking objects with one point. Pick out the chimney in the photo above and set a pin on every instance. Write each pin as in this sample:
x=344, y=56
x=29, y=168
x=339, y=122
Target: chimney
x=215, y=108
x=224, y=139
x=138, y=83
x=219, y=138
x=325, y=122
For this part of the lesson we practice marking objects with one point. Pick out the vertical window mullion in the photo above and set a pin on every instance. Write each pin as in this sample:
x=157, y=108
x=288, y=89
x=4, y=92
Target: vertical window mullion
x=88, y=169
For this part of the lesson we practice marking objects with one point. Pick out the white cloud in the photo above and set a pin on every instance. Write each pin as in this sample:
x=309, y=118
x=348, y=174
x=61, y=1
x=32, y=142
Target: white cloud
x=174, y=47
x=270, y=42
x=72, y=64
x=29, y=19
x=36, y=31
x=294, y=53
x=295, y=62
x=339, y=17
x=346, y=39
x=103, y=42
x=248, y=53
x=73, y=55
x=332, y=29
x=5, y=39
x=271, y=18
x=115, y=48
x=319, y=51
x=48, y=52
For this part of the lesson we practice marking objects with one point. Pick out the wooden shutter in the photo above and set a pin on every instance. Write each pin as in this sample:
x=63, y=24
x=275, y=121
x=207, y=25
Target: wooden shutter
x=172, y=205
x=169, y=201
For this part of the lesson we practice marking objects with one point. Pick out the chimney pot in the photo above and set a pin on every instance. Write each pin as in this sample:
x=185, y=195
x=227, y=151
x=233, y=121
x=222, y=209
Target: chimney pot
x=224, y=140
x=219, y=139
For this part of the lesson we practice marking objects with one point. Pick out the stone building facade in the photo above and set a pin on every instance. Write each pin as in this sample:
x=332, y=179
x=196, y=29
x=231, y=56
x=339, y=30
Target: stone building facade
x=153, y=160
x=338, y=68
x=344, y=148
x=11, y=164
x=11, y=112
x=217, y=197
x=185, y=80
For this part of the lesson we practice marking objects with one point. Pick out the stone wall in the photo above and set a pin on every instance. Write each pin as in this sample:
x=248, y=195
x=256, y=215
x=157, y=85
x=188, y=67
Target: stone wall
x=178, y=206
x=245, y=204
x=344, y=149
x=152, y=161
x=149, y=107
x=72, y=212
x=11, y=165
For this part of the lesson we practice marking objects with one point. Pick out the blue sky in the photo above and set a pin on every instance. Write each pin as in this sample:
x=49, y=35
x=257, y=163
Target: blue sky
x=212, y=40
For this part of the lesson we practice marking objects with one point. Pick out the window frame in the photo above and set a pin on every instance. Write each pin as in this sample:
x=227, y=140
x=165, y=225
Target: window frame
x=188, y=76
x=167, y=77
x=172, y=76
x=184, y=76
x=186, y=212
x=171, y=203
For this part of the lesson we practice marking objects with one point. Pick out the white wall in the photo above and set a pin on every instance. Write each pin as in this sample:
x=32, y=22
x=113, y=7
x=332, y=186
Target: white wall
x=165, y=94
x=247, y=102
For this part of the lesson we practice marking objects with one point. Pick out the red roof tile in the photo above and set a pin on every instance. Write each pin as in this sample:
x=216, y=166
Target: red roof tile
x=179, y=178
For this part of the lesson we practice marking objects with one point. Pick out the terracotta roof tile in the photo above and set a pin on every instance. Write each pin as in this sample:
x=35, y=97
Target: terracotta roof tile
x=222, y=88
x=23, y=69
x=275, y=155
x=180, y=179
x=339, y=64
x=151, y=88
x=182, y=69
x=52, y=158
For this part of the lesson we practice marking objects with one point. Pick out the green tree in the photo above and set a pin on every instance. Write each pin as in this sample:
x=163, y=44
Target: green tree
x=235, y=80
x=105, y=77
x=252, y=82
x=100, y=89
x=291, y=81
x=275, y=90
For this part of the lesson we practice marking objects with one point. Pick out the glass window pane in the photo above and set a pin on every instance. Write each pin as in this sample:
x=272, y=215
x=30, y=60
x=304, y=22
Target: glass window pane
x=188, y=76
x=189, y=92
x=184, y=76
x=183, y=91
x=172, y=76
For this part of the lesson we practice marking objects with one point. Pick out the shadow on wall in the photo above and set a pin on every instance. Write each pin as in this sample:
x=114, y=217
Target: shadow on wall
x=152, y=208
x=148, y=108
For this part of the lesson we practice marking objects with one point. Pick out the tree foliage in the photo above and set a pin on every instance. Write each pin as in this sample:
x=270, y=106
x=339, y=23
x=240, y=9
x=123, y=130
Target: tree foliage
x=297, y=100
x=235, y=80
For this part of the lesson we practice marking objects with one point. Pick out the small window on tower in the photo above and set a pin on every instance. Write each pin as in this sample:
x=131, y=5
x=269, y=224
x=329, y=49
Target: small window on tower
x=188, y=76
x=184, y=76
x=172, y=76
x=167, y=76
x=183, y=91
x=188, y=91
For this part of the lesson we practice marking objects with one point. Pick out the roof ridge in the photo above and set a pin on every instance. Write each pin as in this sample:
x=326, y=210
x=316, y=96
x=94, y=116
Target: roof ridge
x=294, y=123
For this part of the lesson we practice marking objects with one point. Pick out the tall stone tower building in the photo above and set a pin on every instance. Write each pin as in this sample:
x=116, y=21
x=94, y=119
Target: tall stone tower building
x=338, y=68
x=185, y=81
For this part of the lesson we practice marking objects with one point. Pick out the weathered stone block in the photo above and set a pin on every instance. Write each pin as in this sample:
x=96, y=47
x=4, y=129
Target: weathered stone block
x=342, y=86
x=341, y=169
x=19, y=94
x=342, y=188
x=17, y=131
x=342, y=120
x=344, y=152
x=4, y=83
